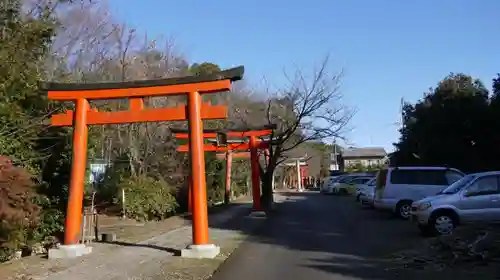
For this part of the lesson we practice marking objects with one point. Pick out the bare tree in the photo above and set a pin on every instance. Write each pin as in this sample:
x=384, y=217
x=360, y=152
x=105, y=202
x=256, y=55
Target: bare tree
x=309, y=108
x=90, y=46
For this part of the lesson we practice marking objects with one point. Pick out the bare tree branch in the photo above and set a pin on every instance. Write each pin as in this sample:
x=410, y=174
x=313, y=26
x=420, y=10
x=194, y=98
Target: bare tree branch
x=308, y=108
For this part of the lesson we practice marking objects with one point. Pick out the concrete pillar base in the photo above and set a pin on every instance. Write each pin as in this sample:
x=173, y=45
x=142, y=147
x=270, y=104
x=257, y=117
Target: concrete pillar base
x=69, y=251
x=205, y=251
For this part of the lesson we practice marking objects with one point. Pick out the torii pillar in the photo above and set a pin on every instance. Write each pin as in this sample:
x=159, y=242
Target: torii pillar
x=229, y=164
x=299, y=177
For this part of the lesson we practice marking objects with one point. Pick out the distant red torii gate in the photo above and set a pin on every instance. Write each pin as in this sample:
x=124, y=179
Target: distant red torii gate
x=253, y=144
x=229, y=156
x=195, y=111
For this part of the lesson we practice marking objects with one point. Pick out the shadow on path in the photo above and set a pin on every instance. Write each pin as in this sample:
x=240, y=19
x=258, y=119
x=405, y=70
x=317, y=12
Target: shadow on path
x=312, y=236
x=174, y=252
x=223, y=216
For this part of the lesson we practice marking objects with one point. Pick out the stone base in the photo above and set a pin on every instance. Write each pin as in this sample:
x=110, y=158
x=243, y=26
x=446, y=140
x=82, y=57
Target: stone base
x=205, y=251
x=69, y=251
x=108, y=237
x=258, y=214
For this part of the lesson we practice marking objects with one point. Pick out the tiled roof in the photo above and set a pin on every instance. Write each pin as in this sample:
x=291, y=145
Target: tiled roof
x=363, y=152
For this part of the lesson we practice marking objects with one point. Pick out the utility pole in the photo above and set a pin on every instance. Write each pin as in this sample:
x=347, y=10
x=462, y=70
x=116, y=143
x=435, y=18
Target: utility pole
x=334, y=157
x=402, y=112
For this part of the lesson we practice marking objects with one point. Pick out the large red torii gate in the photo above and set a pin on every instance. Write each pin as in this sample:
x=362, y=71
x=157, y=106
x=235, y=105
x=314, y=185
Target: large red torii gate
x=194, y=112
x=254, y=144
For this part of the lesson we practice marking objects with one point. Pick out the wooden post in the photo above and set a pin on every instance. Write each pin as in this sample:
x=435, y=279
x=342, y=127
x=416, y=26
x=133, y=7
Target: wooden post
x=199, y=190
x=78, y=166
x=124, y=207
x=229, y=163
x=254, y=159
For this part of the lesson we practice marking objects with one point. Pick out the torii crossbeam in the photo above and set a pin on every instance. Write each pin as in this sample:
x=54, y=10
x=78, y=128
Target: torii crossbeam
x=254, y=143
x=194, y=112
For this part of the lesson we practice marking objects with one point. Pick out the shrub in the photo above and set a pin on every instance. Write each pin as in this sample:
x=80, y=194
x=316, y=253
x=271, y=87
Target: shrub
x=19, y=212
x=240, y=177
x=215, y=194
x=51, y=222
x=107, y=189
x=239, y=188
x=215, y=174
x=148, y=198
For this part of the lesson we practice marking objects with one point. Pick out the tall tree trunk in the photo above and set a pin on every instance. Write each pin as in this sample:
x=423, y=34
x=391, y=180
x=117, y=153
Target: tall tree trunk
x=267, y=198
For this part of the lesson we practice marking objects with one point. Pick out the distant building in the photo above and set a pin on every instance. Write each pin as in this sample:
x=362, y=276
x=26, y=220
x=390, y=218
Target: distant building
x=364, y=156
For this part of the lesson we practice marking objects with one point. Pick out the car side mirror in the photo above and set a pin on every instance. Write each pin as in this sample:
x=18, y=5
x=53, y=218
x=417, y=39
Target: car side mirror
x=468, y=193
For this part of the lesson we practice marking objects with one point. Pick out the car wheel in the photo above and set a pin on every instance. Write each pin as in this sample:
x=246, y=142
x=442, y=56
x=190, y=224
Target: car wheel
x=442, y=223
x=403, y=209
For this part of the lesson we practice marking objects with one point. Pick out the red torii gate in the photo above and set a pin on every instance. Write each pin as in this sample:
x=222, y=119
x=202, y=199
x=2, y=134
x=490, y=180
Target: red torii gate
x=195, y=111
x=253, y=144
x=229, y=156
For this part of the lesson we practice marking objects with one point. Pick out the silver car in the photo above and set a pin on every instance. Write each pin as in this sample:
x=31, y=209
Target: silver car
x=474, y=198
x=367, y=198
x=363, y=189
x=326, y=185
x=367, y=193
x=331, y=185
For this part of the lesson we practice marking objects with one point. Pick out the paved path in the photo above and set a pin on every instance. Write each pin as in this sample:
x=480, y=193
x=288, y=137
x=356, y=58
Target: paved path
x=150, y=259
x=320, y=237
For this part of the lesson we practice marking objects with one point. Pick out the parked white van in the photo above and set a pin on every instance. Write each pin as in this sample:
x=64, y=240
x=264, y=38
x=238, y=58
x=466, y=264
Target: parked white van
x=398, y=187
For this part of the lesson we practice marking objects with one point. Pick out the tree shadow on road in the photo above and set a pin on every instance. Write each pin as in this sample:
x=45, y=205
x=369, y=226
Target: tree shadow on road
x=174, y=252
x=336, y=237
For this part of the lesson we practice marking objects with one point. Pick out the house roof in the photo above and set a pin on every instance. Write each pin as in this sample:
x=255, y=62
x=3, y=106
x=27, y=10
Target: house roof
x=364, y=152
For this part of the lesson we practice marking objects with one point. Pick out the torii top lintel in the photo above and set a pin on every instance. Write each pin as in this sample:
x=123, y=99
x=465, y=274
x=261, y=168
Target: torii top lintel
x=229, y=147
x=234, y=155
x=212, y=83
x=235, y=133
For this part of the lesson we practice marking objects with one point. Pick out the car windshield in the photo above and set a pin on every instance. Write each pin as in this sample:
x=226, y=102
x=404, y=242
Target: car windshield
x=346, y=179
x=458, y=185
x=335, y=179
x=372, y=182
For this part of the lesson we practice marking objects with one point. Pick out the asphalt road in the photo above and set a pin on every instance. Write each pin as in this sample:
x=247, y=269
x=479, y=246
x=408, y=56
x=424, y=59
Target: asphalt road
x=320, y=237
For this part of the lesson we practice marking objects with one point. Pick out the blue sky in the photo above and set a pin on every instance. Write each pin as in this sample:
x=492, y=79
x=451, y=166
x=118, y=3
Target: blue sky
x=389, y=49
